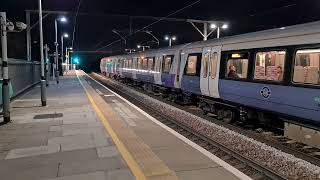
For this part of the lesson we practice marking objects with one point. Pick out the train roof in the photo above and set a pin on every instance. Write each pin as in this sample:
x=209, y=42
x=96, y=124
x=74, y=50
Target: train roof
x=289, y=35
x=293, y=32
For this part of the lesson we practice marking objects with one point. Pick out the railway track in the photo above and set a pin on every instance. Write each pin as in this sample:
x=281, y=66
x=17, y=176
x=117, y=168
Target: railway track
x=299, y=150
x=251, y=168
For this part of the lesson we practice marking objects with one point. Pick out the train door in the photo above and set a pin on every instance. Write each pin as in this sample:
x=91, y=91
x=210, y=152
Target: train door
x=204, y=75
x=157, y=69
x=209, y=79
x=134, y=68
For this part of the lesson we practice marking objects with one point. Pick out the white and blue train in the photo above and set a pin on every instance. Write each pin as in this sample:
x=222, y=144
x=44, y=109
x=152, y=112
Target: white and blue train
x=271, y=77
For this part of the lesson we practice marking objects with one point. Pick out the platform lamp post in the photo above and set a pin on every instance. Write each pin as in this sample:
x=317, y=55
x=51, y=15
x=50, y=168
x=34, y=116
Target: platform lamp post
x=170, y=39
x=5, y=83
x=219, y=27
x=5, y=28
x=43, y=79
x=68, y=57
x=61, y=19
x=65, y=35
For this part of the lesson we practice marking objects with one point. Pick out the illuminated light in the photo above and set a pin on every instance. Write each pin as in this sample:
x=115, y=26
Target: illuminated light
x=166, y=38
x=308, y=51
x=76, y=60
x=63, y=19
x=209, y=50
x=174, y=38
x=282, y=28
x=225, y=26
x=236, y=56
x=138, y=46
x=213, y=26
x=142, y=57
x=65, y=35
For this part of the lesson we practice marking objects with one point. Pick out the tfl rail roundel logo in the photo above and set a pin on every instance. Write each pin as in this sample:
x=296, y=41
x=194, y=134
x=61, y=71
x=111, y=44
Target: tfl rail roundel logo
x=265, y=92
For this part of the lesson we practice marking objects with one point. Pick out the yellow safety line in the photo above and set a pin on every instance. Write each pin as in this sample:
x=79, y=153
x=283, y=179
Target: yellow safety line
x=133, y=165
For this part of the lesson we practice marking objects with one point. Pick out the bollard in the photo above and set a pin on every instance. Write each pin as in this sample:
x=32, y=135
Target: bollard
x=44, y=93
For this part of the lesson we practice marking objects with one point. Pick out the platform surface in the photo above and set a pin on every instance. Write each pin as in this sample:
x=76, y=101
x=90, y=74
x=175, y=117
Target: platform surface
x=88, y=132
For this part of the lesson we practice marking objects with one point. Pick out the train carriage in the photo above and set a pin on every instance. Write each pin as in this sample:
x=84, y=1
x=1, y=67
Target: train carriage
x=270, y=76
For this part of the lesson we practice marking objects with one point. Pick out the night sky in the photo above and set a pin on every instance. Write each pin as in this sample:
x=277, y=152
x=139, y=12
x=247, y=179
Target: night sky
x=94, y=31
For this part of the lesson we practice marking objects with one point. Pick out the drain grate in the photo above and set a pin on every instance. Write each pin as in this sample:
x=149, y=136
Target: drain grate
x=47, y=116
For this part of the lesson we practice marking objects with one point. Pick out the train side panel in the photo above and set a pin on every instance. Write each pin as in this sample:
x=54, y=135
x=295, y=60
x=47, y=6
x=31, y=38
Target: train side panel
x=288, y=100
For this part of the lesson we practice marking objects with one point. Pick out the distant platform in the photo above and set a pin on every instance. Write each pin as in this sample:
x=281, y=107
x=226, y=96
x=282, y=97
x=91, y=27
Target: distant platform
x=89, y=132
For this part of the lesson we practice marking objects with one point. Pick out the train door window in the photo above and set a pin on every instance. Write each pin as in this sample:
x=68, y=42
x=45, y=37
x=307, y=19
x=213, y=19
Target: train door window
x=205, y=64
x=237, y=66
x=214, y=62
x=157, y=64
x=125, y=63
x=130, y=63
x=193, y=64
x=140, y=62
x=269, y=65
x=166, y=65
x=150, y=64
x=122, y=64
x=307, y=67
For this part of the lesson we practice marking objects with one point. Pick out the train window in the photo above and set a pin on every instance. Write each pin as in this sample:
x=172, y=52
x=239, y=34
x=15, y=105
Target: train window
x=307, y=66
x=193, y=64
x=205, y=64
x=214, y=62
x=145, y=64
x=237, y=65
x=269, y=65
x=166, y=65
x=150, y=64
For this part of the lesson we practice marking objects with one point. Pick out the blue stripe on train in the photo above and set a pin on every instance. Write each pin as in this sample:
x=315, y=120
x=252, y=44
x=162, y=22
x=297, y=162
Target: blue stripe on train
x=294, y=101
x=168, y=79
x=146, y=78
x=191, y=84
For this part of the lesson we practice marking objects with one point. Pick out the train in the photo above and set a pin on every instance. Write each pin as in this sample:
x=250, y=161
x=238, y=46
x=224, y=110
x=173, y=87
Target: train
x=270, y=77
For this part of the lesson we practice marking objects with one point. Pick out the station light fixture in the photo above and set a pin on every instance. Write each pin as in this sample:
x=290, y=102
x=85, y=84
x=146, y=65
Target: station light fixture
x=66, y=35
x=213, y=26
x=224, y=26
x=170, y=39
x=219, y=27
x=63, y=19
x=143, y=47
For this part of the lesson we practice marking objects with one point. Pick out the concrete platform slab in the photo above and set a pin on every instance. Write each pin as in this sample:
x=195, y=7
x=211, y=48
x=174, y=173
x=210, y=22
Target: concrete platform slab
x=101, y=164
x=51, y=147
x=99, y=175
x=108, y=151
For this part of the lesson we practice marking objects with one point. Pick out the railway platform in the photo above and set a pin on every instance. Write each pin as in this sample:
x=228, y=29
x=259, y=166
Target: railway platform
x=89, y=132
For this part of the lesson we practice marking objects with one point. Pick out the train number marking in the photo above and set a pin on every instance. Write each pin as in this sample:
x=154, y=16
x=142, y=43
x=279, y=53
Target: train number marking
x=265, y=92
